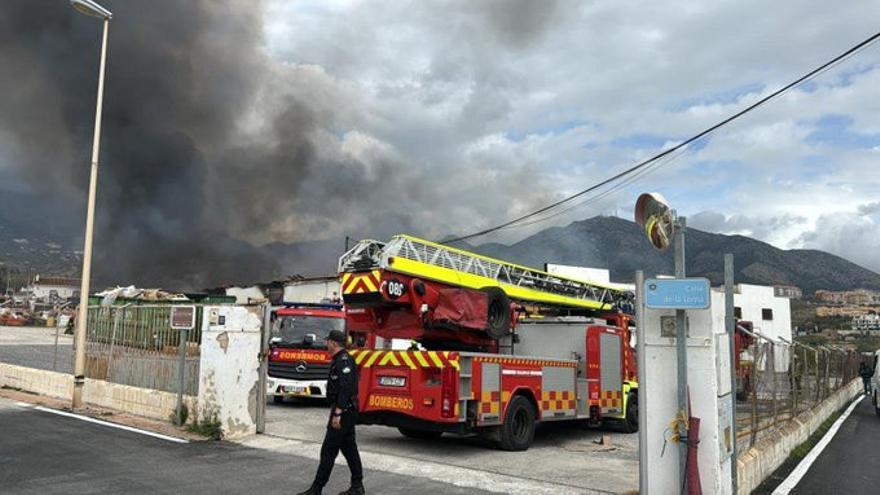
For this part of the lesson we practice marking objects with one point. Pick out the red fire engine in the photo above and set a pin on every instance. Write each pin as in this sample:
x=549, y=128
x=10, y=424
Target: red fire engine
x=496, y=347
x=298, y=360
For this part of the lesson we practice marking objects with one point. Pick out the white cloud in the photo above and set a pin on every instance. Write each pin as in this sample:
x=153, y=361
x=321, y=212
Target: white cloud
x=497, y=107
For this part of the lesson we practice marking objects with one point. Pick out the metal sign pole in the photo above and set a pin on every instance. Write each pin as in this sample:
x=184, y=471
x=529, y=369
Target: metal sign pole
x=181, y=376
x=681, y=349
x=641, y=349
x=730, y=323
x=264, y=368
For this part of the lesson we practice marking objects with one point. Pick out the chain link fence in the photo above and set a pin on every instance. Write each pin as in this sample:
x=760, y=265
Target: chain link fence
x=135, y=345
x=777, y=380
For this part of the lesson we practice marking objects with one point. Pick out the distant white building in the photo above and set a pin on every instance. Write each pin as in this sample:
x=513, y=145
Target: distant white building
x=54, y=288
x=866, y=322
x=769, y=314
x=315, y=290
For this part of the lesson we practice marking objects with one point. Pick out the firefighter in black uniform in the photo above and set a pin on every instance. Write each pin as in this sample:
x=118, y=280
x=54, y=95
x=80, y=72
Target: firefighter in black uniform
x=342, y=388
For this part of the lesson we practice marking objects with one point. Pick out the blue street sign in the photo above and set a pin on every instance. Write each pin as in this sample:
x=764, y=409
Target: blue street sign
x=677, y=293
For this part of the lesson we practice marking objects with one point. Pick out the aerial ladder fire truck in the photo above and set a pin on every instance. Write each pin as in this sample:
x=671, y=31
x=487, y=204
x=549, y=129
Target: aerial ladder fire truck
x=495, y=347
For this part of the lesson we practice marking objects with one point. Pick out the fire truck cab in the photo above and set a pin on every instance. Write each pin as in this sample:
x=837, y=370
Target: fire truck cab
x=298, y=358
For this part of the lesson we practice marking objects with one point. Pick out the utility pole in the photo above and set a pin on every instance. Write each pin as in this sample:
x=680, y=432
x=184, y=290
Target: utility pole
x=90, y=8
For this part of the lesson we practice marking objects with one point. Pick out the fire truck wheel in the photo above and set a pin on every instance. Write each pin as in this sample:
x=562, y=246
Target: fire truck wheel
x=518, y=429
x=278, y=399
x=420, y=434
x=498, y=314
x=631, y=422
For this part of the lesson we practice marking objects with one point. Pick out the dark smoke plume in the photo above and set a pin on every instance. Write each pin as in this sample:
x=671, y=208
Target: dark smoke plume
x=209, y=147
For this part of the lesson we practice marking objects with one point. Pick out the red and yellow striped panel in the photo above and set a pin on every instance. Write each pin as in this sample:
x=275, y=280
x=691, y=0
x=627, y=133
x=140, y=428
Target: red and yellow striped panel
x=611, y=399
x=489, y=403
x=409, y=359
x=361, y=283
x=558, y=400
x=523, y=362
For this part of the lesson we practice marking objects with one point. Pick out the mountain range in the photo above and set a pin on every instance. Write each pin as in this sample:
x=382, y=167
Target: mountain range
x=619, y=245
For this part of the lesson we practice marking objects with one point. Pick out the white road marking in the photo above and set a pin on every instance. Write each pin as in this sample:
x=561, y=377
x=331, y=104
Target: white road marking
x=795, y=477
x=111, y=425
x=23, y=404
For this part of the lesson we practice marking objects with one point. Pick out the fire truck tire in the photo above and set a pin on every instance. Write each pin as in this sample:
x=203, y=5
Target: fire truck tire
x=420, y=434
x=518, y=429
x=498, y=313
x=277, y=399
x=631, y=421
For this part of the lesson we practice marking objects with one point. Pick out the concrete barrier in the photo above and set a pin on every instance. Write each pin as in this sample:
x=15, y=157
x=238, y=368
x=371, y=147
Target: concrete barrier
x=760, y=461
x=144, y=402
x=48, y=383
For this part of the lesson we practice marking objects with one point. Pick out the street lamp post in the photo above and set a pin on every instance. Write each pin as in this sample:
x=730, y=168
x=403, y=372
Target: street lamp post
x=90, y=8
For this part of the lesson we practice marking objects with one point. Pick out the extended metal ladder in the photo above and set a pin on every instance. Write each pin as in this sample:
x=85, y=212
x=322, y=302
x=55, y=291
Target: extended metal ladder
x=420, y=258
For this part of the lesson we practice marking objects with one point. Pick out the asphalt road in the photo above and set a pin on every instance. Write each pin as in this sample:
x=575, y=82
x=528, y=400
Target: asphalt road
x=34, y=347
x=42, y=453
x=851, y=462
x=564, y=454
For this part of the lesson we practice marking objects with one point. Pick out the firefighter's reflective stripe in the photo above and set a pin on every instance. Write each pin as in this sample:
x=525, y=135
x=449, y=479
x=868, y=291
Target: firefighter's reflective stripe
x=411, y=359
x=361, y=283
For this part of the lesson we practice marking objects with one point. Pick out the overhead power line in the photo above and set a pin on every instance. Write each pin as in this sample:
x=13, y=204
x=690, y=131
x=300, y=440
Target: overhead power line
x=809, y=75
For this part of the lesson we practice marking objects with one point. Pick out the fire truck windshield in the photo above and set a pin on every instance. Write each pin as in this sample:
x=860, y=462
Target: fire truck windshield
x=308, y=331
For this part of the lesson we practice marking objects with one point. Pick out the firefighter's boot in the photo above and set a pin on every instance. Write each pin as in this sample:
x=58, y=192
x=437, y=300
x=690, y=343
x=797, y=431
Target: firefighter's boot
x=354, y=490
x=313, y=490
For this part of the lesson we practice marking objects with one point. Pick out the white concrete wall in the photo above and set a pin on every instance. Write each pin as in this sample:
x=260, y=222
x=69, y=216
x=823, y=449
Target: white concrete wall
x=312, y=291
x=42, y=382
x=229, y=368
x=709, y=381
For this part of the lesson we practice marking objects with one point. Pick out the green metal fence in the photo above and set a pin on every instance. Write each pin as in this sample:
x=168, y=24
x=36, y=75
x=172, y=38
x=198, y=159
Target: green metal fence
x=134, y=344
x=138, y=326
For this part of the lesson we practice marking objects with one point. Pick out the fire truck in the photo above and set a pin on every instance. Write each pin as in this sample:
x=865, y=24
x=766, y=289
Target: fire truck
x=298, y=358
x=496, y=347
